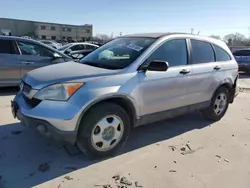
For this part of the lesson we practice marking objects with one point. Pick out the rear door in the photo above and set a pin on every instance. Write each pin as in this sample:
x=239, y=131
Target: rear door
x=205, y=69
x=10, y=68
x=33, y=56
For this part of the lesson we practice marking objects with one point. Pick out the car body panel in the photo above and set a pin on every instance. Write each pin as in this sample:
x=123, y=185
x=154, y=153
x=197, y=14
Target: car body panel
x=171, y=86
x=69, y=71
x=14, y=66
x=10, y=70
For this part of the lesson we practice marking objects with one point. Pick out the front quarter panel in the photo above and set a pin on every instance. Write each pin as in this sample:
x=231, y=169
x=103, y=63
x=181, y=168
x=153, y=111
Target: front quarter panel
x=96, y=90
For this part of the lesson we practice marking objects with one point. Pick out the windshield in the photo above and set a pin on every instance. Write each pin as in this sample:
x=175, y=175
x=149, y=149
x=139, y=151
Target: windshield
x=65, y=46
x=119, y=53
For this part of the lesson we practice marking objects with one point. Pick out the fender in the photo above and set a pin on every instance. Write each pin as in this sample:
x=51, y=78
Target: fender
x=228, y=83
x=105, y=98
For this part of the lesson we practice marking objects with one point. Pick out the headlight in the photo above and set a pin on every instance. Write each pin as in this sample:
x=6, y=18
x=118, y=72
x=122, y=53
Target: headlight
x=58, y=92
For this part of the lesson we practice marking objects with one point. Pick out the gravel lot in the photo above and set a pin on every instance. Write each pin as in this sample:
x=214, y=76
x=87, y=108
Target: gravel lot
x=183, y=152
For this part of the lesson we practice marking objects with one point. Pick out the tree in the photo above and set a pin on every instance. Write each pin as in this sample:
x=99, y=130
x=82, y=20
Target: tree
x=234, y=39
x=30, y=34
x=215, y=36
x=102, y=37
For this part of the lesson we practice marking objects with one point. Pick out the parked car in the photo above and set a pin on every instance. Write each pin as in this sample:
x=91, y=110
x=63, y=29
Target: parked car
x=62, y=41
x=52, y=44
x=242, y=56
x=20, y=55
x=96, y=102
x=74, y=49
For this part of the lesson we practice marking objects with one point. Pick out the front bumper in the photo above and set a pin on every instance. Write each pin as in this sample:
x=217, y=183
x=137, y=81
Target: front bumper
x=51, y=118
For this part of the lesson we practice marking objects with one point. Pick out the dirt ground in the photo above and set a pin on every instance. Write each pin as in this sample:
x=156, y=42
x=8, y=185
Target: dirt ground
x=187, y=151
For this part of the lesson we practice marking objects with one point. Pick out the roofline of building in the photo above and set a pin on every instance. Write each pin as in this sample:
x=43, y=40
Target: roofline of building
x=47, y=22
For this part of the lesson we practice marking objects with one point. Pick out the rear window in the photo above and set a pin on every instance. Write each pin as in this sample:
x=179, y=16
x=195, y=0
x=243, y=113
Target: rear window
x=221, y=55
x=202, y=52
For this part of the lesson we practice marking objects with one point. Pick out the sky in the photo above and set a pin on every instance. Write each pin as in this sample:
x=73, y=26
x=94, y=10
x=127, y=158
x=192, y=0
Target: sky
x=217, y=17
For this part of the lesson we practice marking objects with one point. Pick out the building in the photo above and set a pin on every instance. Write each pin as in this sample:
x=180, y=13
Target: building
x=45, y=30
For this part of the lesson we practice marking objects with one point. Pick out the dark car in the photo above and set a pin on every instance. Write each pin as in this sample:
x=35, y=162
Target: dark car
x=243, y=59
x=20, y=55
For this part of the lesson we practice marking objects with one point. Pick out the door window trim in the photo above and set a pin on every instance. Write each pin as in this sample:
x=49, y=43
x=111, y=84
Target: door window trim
x=18, y=49
x=33, y=44
x=159, y=45
x=191, y=51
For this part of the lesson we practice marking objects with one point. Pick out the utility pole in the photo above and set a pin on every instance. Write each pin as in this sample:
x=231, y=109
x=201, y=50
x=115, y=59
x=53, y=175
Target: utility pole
x=249, y=31
x=192, y=31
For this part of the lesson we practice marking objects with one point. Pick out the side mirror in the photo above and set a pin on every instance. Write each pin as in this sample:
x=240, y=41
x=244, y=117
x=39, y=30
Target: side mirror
x=68, y=51
x=158, y=66
x=56, y=56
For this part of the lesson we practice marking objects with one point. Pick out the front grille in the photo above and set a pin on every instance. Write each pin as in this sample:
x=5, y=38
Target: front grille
x=31, y=102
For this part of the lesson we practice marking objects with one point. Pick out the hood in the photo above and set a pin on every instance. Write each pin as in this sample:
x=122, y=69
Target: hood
x=63, y=72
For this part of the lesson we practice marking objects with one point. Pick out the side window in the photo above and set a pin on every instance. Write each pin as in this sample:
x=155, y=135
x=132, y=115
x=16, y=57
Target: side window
x=221, y=55
x=202, y=52
x=174, y=52
x=77, y=47
x=34, y=49
x=7, y=47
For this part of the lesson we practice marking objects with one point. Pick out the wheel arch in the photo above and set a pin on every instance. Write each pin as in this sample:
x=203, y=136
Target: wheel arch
x=230, y=85
x=124, y=101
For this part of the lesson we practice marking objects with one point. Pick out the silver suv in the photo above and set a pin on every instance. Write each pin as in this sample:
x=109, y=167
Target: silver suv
x=130, y=81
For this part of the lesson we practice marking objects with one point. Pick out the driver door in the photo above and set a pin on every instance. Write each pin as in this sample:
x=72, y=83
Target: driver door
x=166, y=93
x=33, y=56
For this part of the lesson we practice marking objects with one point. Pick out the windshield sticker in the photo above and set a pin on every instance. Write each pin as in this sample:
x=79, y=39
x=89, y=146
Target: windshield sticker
x=135, y=47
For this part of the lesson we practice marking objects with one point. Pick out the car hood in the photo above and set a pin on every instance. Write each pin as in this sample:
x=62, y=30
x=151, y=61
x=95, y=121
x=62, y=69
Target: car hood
x=63, y=72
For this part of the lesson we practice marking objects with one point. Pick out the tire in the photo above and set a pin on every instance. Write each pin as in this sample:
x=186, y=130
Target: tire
x=106, y=115
x=214, y=112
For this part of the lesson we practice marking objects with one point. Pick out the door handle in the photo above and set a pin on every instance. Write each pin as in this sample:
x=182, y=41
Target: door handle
x=27, y=62
x=217, y=67
x=184, y=71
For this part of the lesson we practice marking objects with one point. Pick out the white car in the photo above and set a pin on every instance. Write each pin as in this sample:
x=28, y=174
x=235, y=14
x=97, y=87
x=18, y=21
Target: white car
x=52, y=44
x=77, y=46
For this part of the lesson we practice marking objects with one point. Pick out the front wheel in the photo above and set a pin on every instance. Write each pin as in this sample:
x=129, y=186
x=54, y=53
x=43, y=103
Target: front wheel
x=218, y=106
x=103, y=130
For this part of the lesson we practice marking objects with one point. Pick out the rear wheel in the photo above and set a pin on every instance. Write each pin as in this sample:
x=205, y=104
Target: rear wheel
x=218, y=106
x=103, y=130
